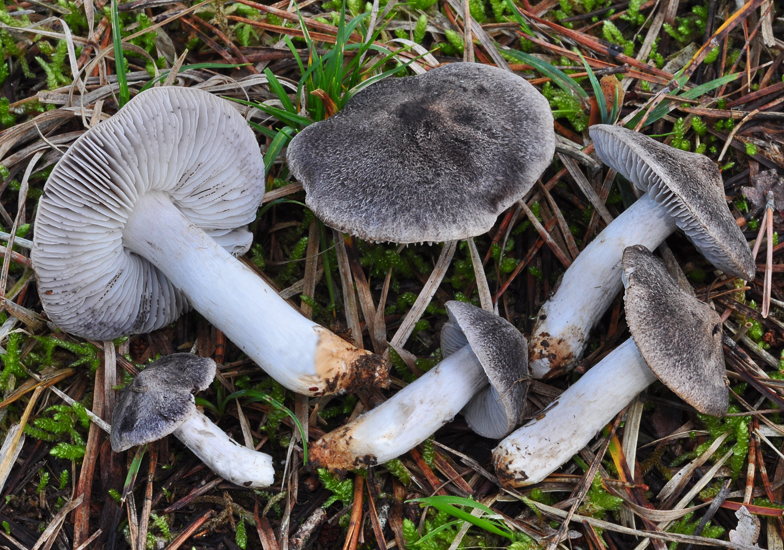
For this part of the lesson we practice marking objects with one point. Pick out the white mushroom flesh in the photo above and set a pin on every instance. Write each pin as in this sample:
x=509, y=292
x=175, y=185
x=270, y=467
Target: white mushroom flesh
x=224, y=456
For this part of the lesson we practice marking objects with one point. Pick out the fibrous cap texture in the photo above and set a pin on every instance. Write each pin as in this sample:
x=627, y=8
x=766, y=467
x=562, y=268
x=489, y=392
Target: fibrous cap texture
x=503, y=352
x=186, y=143
x=427, y=158
x=159, y=399
x=678, y=335
x=688, y=185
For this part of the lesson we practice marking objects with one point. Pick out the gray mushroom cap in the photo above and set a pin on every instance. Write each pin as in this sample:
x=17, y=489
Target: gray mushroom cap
x=434, y=157
x=503, y=353
x=159, y=399
x=688, y=185
x=186, y=143
x=678, y=335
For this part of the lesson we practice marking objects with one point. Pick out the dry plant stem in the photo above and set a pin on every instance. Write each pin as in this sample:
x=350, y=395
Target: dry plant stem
x=355, y=524
x=295, y=351
x=591, y=284
x=227, y=458
x=405, y=420
x=482, y=288
x=144, y=520
x=540, y=447
x=769, y=259
x=427, y=293
x=190, y=530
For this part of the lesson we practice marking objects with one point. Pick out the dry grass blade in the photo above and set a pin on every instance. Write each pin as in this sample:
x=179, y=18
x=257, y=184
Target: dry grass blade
x=349, y=295
x=485, y=298
x=12, y=446
x=565, y=231
x=427, y=293
x=585, y=187
x=50, y=533
x=693, y=492
x=355, y=522
x=678, y=482
x=672, y=537
x=8, y=458
x=545, y=235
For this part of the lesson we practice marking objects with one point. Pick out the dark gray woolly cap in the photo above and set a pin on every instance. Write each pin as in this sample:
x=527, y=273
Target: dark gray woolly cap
x=435, y=157
x=678, y=335
x=159, y=399
x=503, y=352
x=688, y=185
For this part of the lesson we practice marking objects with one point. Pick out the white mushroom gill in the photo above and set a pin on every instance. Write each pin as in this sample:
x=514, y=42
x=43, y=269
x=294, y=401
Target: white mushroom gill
x=134, y=220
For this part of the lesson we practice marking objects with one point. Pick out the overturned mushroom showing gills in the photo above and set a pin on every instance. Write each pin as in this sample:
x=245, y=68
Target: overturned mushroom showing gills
x=138, y=220
x=435, y=157
x=160, y=402
x=682, y=190
x=484, y=374
x=678, y=341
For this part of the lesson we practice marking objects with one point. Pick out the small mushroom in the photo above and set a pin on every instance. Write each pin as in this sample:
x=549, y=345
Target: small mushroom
x=429, y=158
x=484, y=373
x=160, y=402
x=682, y=190
x=678, y=341
x=138, y=220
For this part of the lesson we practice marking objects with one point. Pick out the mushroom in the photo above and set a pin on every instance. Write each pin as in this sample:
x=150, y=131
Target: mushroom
x=682, y=189
x=135, y=224
x=427, y=158
x=484, y=373
x=160, y=402
x=678, y=340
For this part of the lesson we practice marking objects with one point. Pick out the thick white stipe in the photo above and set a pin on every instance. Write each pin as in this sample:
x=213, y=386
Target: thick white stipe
x=224, y=456
x=591, y=284
x=540, y=447
x=408, y=418
x=227, y=293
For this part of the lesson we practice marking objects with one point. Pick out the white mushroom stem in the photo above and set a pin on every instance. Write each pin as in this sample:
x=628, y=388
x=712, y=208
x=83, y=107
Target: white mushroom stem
x=224, y=456
x=295, y=351
x=407, y=419
x=591, y=284
x=540, y=447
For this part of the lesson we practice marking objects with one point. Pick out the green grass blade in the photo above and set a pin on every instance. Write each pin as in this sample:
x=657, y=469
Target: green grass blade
x=445, y=504
x=278, y=202
x=559, y=78
x=263, y=130
x=256, y=395
x=119, y=60
x=277, y=145
x=664, y=107
x=133, y=471
x=519, y=17
x=292, y=119
x=277, y=87
x=294, y=52
x=597, y=91
x=435, y=531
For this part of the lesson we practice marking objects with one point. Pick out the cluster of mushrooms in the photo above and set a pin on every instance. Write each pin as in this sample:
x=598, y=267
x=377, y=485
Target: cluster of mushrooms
x=143, y=216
